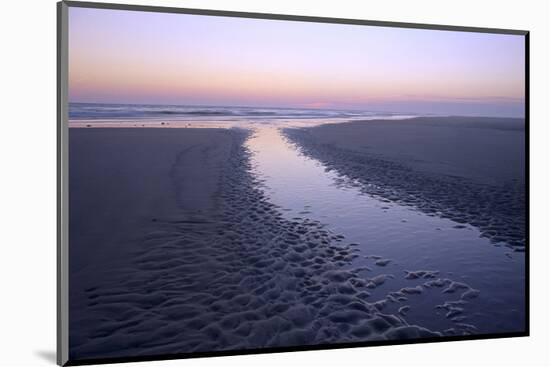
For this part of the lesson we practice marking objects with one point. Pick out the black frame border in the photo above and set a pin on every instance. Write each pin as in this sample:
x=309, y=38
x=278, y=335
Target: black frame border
x=62, y=172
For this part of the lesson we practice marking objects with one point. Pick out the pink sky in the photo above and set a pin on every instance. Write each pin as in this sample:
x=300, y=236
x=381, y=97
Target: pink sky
x=139, y=57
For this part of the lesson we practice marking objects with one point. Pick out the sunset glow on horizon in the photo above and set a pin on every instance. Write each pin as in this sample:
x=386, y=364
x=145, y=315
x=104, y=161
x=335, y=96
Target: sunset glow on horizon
x=119, y=56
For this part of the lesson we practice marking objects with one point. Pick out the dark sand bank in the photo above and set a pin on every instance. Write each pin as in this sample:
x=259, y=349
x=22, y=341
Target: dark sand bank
x=122, y=180
x=468, y=169
x=198, y=259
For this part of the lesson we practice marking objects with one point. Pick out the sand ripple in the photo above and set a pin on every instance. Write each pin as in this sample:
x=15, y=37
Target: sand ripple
x=497, y=210
x=249, y=280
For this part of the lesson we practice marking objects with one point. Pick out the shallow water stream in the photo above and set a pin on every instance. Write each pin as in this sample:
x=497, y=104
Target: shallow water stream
x=483, y=282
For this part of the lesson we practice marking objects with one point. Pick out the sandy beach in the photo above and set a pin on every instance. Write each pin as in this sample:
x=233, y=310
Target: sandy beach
x=125, y=185
x=196, y=258
x=467, y=169
x=131, y=178
x=230, y=195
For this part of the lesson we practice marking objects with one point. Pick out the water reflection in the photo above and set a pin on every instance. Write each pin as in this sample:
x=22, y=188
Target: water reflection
x=395, y=240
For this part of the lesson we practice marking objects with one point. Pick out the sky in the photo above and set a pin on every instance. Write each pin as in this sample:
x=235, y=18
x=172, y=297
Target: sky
x=119, y=56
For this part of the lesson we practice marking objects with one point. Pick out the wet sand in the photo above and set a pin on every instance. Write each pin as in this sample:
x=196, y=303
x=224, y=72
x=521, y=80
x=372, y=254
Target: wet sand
x=393, y=240
x=123, y=180
x=176, y=248
x=467, y=169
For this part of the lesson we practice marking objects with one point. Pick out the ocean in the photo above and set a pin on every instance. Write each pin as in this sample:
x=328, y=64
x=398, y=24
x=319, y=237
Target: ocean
x=109, y=112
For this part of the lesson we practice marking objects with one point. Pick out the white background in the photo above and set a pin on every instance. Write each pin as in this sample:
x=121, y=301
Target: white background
x=28, y=191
